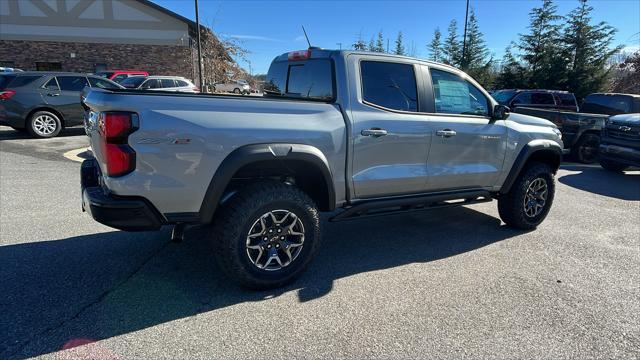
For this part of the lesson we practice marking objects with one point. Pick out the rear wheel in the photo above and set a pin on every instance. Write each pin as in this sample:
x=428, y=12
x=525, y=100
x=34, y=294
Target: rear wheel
x=586, y=150
x=528, y=202
x=266, y=235
x=44, y=124
x=236, y=91
x=612, y=165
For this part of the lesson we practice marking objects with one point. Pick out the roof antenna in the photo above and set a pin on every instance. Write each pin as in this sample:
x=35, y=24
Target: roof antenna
x=305, y=35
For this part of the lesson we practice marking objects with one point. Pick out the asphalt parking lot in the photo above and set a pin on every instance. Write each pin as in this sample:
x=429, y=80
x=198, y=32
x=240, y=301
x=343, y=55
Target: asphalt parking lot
x=452, y=283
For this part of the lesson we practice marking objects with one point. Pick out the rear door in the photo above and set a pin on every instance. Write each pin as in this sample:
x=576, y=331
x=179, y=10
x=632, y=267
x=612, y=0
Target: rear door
x=66, y=98
x=390, y=136
x=468, y=149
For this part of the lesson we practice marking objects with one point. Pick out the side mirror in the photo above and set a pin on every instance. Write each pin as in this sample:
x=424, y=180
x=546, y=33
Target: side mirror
x=500, y=112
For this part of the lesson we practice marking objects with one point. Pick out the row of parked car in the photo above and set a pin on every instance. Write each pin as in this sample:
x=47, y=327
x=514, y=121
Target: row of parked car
x=604, y=122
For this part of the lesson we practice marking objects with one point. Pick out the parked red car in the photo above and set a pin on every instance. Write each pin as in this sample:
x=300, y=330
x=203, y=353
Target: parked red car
x=119, y=75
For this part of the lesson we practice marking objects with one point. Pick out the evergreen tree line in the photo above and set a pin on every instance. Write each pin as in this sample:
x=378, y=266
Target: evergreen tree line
x=561, y=52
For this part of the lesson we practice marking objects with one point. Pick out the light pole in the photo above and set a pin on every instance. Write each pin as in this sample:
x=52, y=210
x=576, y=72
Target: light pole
x=464, y=39
x=340, y=45
x=199, y=49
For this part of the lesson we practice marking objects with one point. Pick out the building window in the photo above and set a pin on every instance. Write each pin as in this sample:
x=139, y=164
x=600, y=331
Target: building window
x=48, y=66
x=99, y=67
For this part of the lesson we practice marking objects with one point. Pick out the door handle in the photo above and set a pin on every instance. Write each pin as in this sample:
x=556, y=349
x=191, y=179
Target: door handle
x=53, y=94
x=375, y=132
x=446, y=133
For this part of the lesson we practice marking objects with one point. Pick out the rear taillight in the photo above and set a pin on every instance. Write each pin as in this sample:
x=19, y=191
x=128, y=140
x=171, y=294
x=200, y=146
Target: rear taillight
x=114, y=128
x=6, y=94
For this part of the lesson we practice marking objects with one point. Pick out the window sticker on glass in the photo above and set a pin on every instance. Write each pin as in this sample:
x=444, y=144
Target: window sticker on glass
x=454, y=96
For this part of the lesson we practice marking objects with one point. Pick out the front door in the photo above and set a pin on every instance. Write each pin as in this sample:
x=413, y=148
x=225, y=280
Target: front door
x=391, y=137
x=468, y=149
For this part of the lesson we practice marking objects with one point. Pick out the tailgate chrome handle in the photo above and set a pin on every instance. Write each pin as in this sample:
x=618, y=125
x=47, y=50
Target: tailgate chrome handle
x=375, y=132
x=446, y=133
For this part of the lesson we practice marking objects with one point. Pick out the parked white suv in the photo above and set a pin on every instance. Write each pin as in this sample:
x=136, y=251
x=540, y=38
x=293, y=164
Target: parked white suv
x=235, y=86
x=160, y=83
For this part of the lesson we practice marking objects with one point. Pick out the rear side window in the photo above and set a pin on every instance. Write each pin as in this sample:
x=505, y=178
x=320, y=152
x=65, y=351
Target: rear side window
x=5, y=80
x=455, y=95
x=310, y=79
x=24, y=80
x=101, y=83
x=542, y=99
x=167, y=83
x=390, y=85
x=607, y=104
x=181, y=83
x=567, y=99
x=72, y=83
x=120, y=77
x=52, y=85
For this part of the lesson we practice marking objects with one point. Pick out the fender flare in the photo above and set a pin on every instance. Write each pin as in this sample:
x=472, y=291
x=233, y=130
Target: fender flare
x=248, y=154
x=548, y=147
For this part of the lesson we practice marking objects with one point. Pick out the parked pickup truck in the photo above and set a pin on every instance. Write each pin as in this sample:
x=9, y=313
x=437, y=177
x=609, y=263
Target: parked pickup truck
x=620, y=145
x=581, y=131
x=352, y=133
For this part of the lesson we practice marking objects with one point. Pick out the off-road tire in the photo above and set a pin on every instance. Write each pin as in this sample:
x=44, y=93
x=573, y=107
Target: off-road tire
x=586, y=150
x=235, y=219
x=612, y=166
x=511, y=205
x=49, y=116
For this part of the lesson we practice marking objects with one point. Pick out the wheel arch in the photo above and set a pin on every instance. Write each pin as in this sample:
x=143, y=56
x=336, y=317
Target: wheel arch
x=44, y=108
x=545, y=151
x=305, y=163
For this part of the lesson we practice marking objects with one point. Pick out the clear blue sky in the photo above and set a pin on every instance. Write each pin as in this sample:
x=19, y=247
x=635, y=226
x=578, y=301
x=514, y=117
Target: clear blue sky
x=269, y=28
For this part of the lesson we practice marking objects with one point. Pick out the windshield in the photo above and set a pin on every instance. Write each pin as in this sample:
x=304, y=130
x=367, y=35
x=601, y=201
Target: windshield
x=133, y=82
x=311, y=79
x=503, y=96
x=607, y=104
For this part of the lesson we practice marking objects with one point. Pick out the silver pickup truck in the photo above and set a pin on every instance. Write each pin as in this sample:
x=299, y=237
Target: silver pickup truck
x=351, y=133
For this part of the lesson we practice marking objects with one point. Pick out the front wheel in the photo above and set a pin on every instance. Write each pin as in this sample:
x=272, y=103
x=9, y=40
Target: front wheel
x=236, y=91
x=266, y=235
x=529, y=200
x=586, y=150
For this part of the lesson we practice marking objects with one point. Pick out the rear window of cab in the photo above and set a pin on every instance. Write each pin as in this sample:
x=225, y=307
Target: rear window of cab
x=310, y=79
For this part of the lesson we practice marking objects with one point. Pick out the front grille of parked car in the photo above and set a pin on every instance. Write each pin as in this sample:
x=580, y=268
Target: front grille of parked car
x=617, y=132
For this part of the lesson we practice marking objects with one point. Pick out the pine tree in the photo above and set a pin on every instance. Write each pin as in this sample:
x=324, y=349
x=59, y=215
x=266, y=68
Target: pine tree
x=435, y=46
x=451, y=49
x=380, y=43
x=587, y=48
x=474, y=59
x=399, y=46
x=372, y=46
x=541, y=48
x=512, y=74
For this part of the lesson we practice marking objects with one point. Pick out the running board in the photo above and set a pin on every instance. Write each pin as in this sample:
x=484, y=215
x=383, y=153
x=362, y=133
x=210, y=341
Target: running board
x=410, y=204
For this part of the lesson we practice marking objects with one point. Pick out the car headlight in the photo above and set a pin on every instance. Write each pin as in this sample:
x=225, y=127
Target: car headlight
x=557, y=132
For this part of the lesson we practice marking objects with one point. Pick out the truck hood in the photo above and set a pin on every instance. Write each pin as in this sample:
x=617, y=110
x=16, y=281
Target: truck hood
x=530, y=120
x=632, y=119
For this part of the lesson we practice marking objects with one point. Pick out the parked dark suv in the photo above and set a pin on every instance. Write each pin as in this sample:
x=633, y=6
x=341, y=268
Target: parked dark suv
x=43, y=103
x=539, y=99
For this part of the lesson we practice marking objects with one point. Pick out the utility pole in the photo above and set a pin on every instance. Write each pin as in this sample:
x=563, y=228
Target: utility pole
x=464, y=39
x=387, y=45
x=339, y=44
x=199, y=49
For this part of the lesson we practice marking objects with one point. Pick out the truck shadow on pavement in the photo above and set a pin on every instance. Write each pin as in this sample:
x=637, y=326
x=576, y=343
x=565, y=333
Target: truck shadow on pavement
x=594, y=179
x=64, y=293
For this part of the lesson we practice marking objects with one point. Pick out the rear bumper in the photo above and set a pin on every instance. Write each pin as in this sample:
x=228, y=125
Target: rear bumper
x=621, y=154
x=124, y=213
